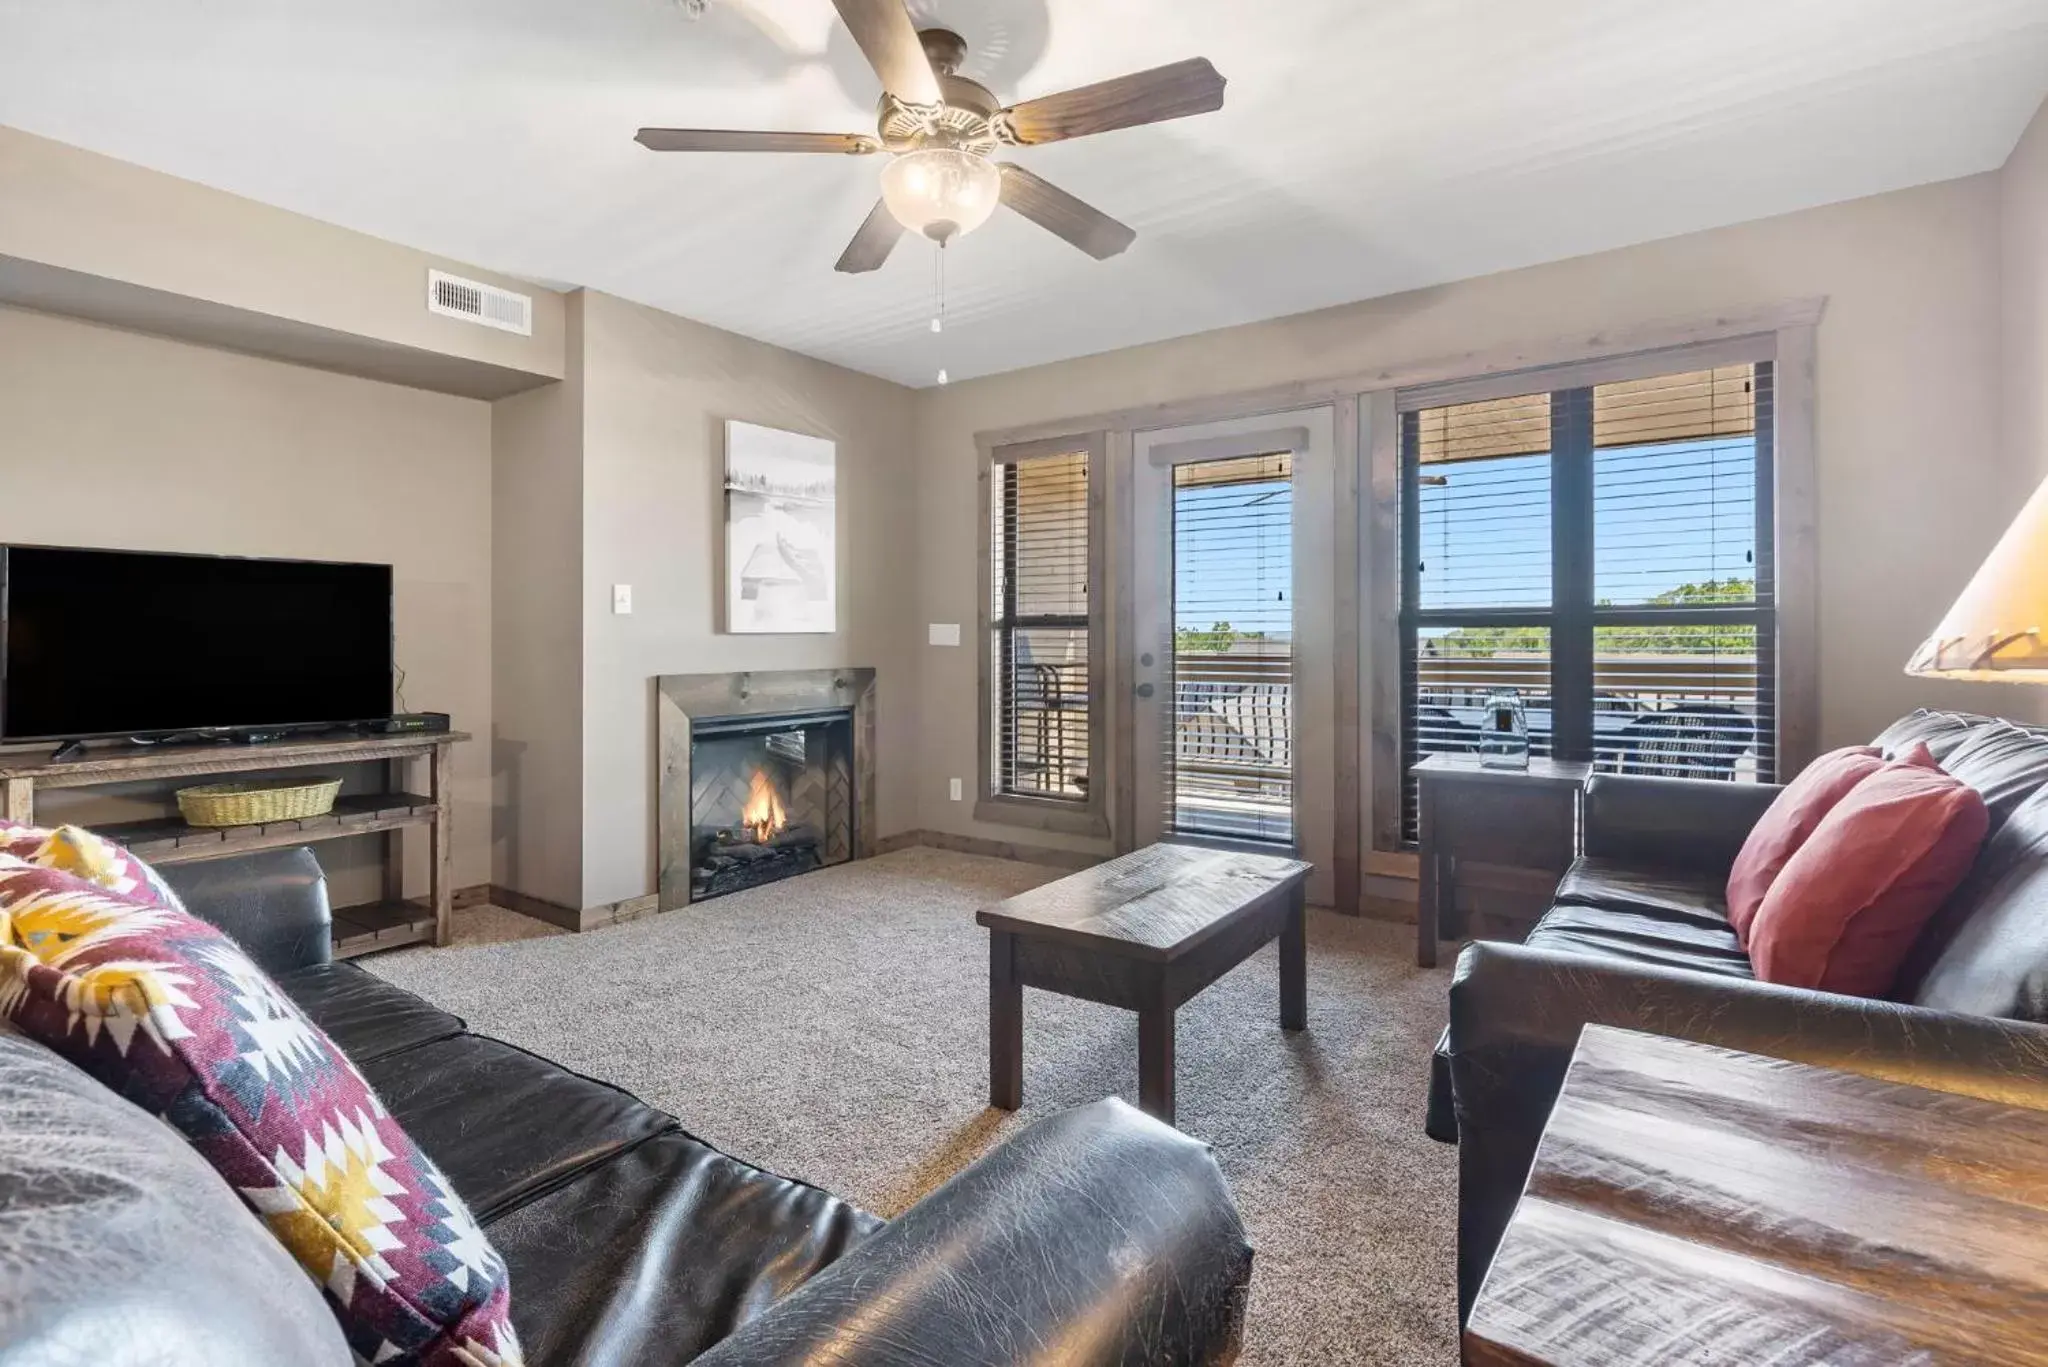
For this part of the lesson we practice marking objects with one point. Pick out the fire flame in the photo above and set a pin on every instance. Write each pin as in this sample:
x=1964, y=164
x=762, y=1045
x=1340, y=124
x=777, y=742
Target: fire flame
x=763, y=814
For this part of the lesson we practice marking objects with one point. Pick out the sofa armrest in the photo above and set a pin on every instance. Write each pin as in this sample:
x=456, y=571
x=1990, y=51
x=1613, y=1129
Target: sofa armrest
x=273, y=903
x=1516, y=1014
x=1695, y=824
x=1096, y=1236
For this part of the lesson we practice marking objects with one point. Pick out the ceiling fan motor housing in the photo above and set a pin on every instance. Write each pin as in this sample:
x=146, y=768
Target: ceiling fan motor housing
x=967, y=118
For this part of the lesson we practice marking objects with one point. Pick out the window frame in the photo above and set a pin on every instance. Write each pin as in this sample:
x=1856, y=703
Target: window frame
x=1573, y=613
x=1089, y=815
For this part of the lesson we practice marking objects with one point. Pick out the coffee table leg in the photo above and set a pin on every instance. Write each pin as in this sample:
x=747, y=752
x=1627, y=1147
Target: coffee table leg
x=1005, y=1023
x=1155, y=1061
x=1294, y=965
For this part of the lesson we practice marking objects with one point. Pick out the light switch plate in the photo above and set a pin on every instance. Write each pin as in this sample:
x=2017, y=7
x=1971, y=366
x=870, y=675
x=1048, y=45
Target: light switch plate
x=945, y=633
x=953, y=784
x=622, y=599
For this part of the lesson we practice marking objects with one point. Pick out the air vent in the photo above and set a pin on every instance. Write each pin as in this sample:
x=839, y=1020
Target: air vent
x=454, y=297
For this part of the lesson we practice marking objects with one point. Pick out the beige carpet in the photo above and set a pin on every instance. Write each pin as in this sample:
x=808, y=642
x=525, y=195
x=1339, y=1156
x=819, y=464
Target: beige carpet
x=834, y=1028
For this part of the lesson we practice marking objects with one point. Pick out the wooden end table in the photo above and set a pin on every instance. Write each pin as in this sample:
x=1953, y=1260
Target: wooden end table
x=1145, y=931
x=1696, y=1205
x=1527, y=818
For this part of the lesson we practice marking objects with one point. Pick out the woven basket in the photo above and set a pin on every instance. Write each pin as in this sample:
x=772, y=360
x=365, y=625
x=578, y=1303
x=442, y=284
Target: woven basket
x=249, y=804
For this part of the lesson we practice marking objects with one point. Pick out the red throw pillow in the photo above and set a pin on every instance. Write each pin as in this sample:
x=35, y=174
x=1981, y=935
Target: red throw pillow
x=1849, y=903
x=1788, y=823
x=99, y=962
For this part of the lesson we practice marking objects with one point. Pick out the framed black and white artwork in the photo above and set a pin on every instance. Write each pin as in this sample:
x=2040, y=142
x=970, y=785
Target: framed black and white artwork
x=781, y=531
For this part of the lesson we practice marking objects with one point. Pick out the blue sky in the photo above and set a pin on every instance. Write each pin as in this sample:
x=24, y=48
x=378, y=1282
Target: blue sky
x=1234, y=556
x=1665, y=515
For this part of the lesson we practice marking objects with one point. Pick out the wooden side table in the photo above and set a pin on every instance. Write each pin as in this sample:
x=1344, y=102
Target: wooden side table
x=1527, y=818
x=1691, y=1204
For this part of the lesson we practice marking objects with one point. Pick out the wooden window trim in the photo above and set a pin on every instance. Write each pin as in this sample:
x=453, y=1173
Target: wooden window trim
x=1084, y=817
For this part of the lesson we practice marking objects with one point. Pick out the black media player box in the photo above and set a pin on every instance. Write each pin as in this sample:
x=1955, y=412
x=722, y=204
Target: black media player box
x=412, y=723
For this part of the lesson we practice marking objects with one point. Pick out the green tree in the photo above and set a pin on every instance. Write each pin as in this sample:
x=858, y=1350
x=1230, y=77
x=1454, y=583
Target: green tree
x=1687, y=638
x=1212, y=641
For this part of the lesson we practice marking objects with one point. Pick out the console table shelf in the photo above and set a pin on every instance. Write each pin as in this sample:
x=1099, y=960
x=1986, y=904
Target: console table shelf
x=169, y=840
x=386, y=924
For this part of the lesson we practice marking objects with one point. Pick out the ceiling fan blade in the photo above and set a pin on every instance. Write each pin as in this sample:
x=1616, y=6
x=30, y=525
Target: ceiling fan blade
x=728, y=140
x=886, y=37
x=1060, y=214
x=1166, y=92
x=872, y=244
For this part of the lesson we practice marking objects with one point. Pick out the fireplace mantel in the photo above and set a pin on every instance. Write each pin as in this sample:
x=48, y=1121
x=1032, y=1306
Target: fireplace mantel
x=687, y=698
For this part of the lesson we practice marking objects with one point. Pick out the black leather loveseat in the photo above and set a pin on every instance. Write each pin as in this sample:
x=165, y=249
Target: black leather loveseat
x=1095, y=1236
x=1639, y=938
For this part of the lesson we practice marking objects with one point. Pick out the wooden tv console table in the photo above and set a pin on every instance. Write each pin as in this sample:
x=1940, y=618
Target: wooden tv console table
x=386, y=924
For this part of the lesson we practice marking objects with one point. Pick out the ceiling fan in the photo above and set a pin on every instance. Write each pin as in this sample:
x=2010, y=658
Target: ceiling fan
x=942, y=128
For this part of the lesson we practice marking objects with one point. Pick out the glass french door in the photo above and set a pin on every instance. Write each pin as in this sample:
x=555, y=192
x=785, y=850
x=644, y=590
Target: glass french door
x=1216, y=716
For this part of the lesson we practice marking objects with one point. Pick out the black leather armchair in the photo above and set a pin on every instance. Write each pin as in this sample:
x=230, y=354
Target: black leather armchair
x=1638, y=938
x=1098, y=1236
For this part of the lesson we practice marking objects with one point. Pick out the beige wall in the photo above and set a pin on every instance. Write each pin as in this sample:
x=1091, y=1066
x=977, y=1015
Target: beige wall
x=657, y=390
x=196, y=260
x=537, y=635
x=2024, y=226
x=1908, y=397
x=109, y=438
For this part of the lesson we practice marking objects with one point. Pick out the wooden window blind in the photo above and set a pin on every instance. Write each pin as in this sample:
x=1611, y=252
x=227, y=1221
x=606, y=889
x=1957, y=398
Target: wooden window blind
x=1606, y=551
x=1039, y=629
x=1230, y=739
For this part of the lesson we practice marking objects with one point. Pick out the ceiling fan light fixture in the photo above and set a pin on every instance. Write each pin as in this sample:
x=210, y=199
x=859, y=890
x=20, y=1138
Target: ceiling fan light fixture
x=942, y=192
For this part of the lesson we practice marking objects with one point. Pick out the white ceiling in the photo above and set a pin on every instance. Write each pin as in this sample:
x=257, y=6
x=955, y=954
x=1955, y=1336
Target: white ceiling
x=1366, y=146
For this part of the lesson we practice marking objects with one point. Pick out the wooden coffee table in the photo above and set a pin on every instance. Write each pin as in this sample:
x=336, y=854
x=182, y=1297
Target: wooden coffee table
x=1145, y=931
x=1691, y=1204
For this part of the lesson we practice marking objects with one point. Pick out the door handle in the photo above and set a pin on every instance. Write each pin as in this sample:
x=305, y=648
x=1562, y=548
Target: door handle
x=1144, y=690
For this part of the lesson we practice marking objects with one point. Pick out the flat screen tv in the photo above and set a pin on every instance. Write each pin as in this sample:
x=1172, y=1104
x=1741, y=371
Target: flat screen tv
x=124, y=643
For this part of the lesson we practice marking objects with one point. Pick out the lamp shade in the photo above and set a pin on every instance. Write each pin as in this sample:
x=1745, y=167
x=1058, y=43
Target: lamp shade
x=1995, y=630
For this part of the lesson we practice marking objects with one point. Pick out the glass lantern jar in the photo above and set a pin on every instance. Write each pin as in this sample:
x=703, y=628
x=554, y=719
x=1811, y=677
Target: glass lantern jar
x=1504, y=731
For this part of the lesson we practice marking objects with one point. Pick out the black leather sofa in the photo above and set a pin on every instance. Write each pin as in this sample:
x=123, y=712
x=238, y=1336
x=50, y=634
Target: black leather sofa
x=1095, y=1236
x=1638, y=937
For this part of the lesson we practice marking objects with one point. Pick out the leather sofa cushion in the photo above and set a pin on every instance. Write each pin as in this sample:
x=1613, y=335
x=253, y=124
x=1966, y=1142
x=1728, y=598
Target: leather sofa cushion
x=663, y=1251
x=273, y=902
x=1696, y=898
x=1666, y=919
x=2006, y=764
x=505, y=1125
x=1637, y=938
x=120, y=1247
x=365, y=1015
x=1986, y=953
x=1941, y=732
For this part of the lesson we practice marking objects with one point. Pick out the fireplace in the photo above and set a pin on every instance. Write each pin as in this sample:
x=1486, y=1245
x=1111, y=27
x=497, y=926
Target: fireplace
x=764, y=775
x=770, y=797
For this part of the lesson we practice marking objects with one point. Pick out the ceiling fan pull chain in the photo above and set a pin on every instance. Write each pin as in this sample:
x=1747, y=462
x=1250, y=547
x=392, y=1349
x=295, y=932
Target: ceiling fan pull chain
x=939, y=301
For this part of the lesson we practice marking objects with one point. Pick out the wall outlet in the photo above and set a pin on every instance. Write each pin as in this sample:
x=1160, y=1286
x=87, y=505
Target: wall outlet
x=953, y=788
x=622, y=599
x=944, y=633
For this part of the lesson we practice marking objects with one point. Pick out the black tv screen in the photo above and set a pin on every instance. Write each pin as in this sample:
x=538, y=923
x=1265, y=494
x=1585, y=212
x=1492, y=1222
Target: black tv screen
x=125, y=643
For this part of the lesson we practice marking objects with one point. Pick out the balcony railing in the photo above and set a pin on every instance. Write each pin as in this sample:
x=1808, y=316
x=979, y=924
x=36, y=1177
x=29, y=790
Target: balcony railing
x=1668, y=716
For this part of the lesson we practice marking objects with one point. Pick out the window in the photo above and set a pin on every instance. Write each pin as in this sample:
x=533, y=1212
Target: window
x=1605, y=549
x=1041, y=643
